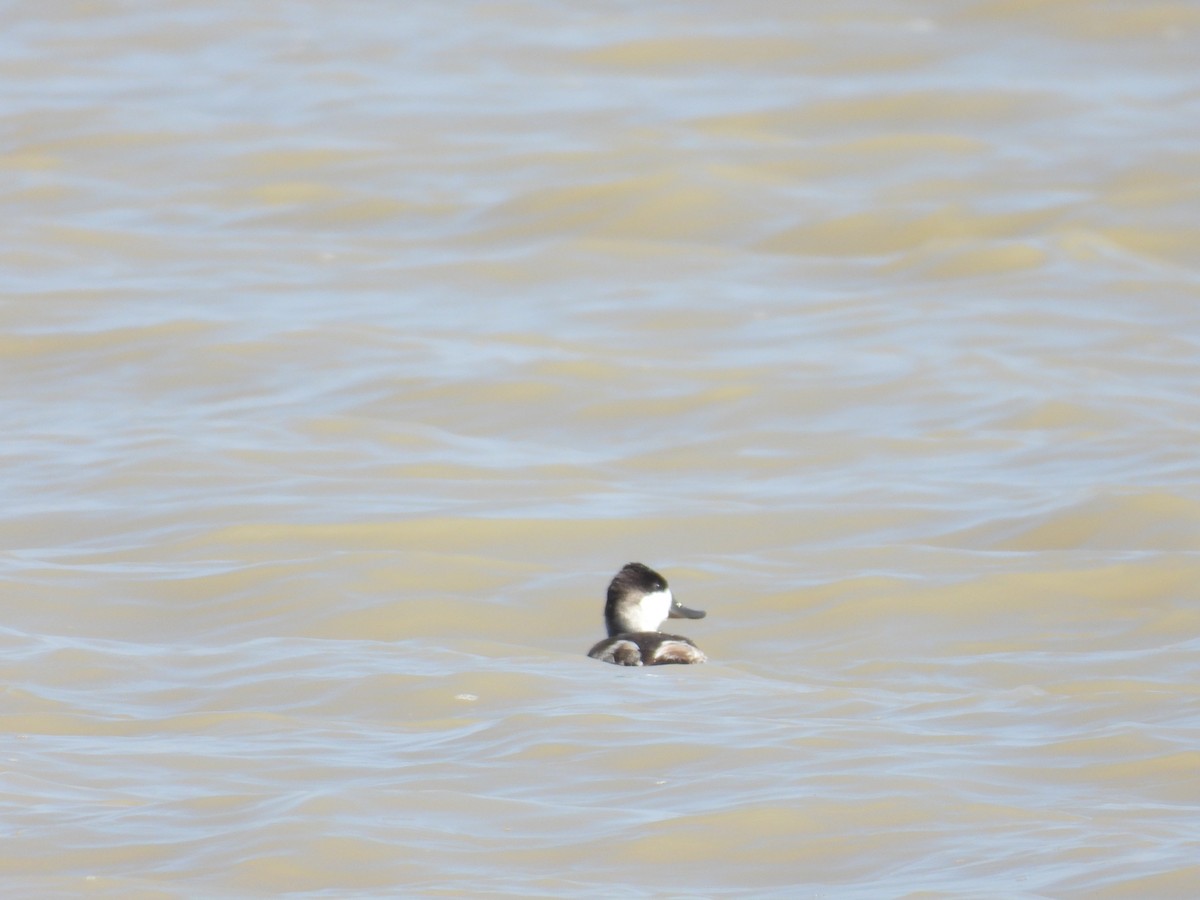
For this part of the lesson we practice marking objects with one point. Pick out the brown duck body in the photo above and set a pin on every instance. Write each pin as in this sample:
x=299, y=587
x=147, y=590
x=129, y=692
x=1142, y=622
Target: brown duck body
x=647, y=648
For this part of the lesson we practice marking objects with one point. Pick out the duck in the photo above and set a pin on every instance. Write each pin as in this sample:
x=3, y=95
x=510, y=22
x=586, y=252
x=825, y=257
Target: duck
x=639, y=601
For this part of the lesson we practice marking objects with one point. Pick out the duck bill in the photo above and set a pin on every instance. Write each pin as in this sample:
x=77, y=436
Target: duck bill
x=679, y=611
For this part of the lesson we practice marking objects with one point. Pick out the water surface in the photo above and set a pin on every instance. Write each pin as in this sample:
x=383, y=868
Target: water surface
x=348, y=353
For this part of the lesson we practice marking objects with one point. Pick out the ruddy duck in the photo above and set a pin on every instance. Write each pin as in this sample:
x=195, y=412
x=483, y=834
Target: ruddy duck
x=639, y=601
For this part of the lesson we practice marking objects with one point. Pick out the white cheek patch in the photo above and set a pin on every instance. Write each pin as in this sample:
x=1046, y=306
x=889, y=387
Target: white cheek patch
x=652, y=611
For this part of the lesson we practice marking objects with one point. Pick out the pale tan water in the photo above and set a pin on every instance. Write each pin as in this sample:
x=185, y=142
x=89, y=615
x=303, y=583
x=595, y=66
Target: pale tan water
x=348, y=350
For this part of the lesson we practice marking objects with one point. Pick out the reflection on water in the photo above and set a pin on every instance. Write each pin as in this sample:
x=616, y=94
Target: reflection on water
x=347, y=356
